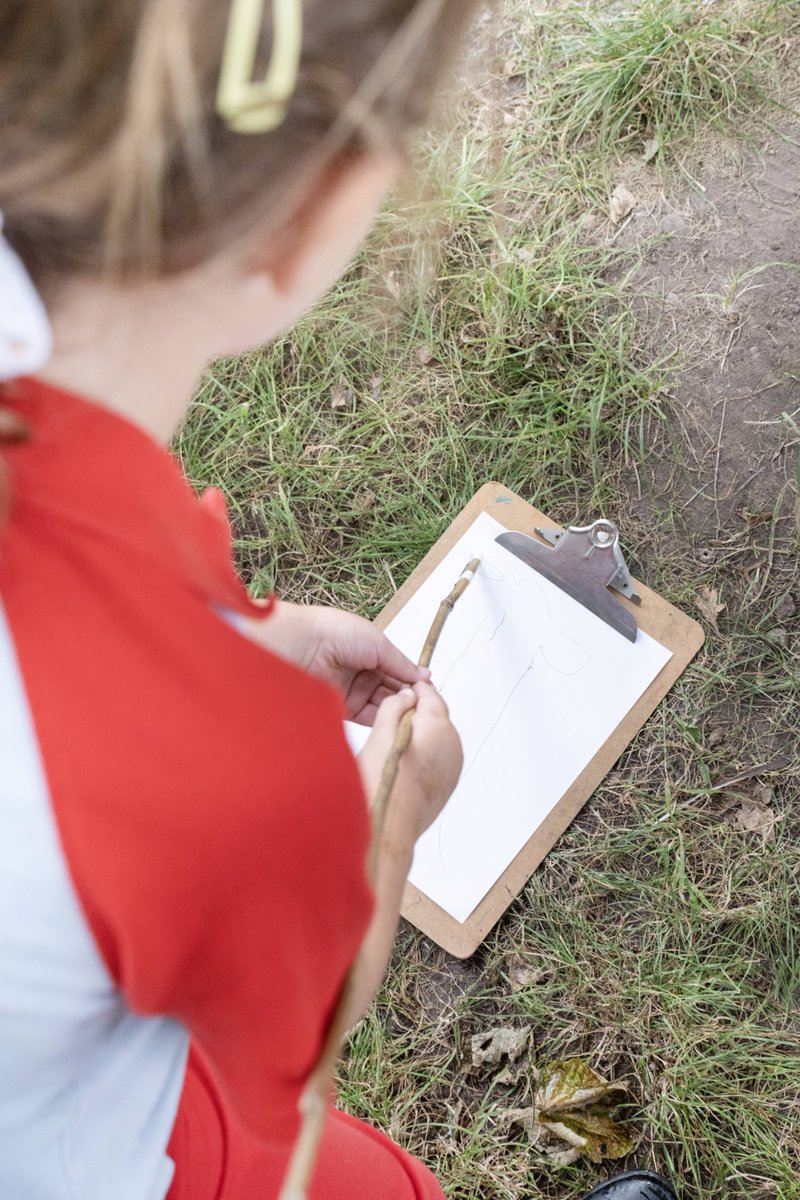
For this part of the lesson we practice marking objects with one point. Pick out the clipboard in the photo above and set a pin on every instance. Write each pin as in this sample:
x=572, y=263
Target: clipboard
x=680, y=634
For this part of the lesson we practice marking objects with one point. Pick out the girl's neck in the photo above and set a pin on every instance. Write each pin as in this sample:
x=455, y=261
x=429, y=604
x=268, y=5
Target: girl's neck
x=138, y=351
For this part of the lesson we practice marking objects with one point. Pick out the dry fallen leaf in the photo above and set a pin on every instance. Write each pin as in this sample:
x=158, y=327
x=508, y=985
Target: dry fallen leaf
x=750, y=810
x=623, y=202
x=392, y=285
x=521, y=974
x=570, y=1082
x=492, y=1046
x=541, y=1137
x=651, y=148
x=341, y=393
x=710, y=605
x=424, y=355
x=785, y=609
x=595, y=1135
x=520, y=1116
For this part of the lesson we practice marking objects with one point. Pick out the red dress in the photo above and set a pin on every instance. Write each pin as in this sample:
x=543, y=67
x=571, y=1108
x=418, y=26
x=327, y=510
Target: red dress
x=209, y=811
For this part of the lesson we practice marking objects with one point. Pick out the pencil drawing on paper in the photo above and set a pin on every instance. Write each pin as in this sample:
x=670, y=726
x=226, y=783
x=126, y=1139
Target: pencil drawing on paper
x=536, y=637
x=535, y=684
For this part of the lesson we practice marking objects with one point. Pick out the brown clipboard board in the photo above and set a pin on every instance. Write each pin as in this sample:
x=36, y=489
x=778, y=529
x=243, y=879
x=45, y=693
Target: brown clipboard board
x=667, y=624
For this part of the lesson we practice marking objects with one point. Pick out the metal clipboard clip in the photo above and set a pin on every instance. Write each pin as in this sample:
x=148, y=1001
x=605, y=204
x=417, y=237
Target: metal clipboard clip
x=585, y=561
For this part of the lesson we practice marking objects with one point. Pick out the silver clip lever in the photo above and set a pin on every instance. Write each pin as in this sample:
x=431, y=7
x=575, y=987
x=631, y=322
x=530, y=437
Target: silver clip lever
x=585, y=561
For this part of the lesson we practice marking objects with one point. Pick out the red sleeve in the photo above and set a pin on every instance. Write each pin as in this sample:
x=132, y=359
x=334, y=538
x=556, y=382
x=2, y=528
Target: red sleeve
x=240, y=917
x=212, y=820
x=209, y=810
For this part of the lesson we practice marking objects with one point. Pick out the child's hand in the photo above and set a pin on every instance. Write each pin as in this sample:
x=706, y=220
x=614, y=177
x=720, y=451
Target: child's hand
x=342, y=648
x=429, y=768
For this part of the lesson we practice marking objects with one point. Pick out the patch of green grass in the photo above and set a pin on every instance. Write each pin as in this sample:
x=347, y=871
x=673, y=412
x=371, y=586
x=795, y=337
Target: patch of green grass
x=348, y=446
x=662, y=946
x=660, y=69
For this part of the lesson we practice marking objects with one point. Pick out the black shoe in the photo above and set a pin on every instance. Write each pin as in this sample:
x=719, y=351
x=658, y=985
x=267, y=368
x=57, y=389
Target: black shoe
x=632, y=1185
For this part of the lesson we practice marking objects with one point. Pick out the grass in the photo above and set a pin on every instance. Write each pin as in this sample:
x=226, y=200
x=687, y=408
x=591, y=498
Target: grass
x=662, y=70
x=522, y=372
x=491, y=338
x=662, y=945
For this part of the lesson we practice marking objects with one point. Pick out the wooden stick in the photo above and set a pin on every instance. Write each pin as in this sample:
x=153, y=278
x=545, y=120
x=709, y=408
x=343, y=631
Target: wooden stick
x=316, y=1094
x=403, y=735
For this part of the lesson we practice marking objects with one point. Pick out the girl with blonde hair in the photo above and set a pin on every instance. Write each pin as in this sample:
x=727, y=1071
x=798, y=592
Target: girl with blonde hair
x=182, y=826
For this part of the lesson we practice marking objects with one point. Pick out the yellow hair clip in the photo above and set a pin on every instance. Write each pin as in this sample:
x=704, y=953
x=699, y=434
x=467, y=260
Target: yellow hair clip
x=246, y=105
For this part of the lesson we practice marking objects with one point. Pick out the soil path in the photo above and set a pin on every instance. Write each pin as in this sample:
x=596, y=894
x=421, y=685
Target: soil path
x=718, y=296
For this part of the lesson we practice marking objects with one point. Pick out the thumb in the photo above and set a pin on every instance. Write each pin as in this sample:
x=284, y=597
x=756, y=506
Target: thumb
x=372, y=758
x=391, y=712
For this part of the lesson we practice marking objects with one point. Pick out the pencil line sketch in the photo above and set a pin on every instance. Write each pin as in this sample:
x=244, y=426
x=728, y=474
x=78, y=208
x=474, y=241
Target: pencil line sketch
x=441, y=686
x=508, y=700
x=524, y=628
x=468, y=765
x=531, y=635
x=535, y=684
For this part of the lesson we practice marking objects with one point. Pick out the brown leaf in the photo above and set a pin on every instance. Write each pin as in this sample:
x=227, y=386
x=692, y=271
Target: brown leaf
x=623, y=203
x=751, y=818
x=424, y=356
x=749, y=809
x=710, y=605
x=491, y=1047
x=392, y=285
x=341, y=394
x=651, y=148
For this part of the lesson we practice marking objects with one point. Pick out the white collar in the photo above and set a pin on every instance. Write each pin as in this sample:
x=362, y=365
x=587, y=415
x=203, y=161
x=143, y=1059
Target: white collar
x=26, y=339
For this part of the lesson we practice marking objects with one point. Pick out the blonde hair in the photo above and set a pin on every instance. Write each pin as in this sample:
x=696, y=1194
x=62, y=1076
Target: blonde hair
x=112, y=157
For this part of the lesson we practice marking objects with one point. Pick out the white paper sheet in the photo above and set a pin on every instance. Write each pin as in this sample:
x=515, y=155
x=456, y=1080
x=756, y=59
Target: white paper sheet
x=535, y=684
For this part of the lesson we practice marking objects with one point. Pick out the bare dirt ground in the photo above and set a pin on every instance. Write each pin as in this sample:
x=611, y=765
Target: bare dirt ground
x=717, y=297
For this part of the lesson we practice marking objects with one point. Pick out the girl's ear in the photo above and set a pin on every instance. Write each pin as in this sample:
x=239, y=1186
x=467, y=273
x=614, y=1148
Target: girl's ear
x=308, y=252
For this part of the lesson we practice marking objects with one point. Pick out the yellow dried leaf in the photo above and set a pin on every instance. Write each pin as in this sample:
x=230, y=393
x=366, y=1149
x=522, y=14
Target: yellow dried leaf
x=575, y=1104
x=593, y=1133
x=710, y=605
x=623, y=203
x=568, y=1083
